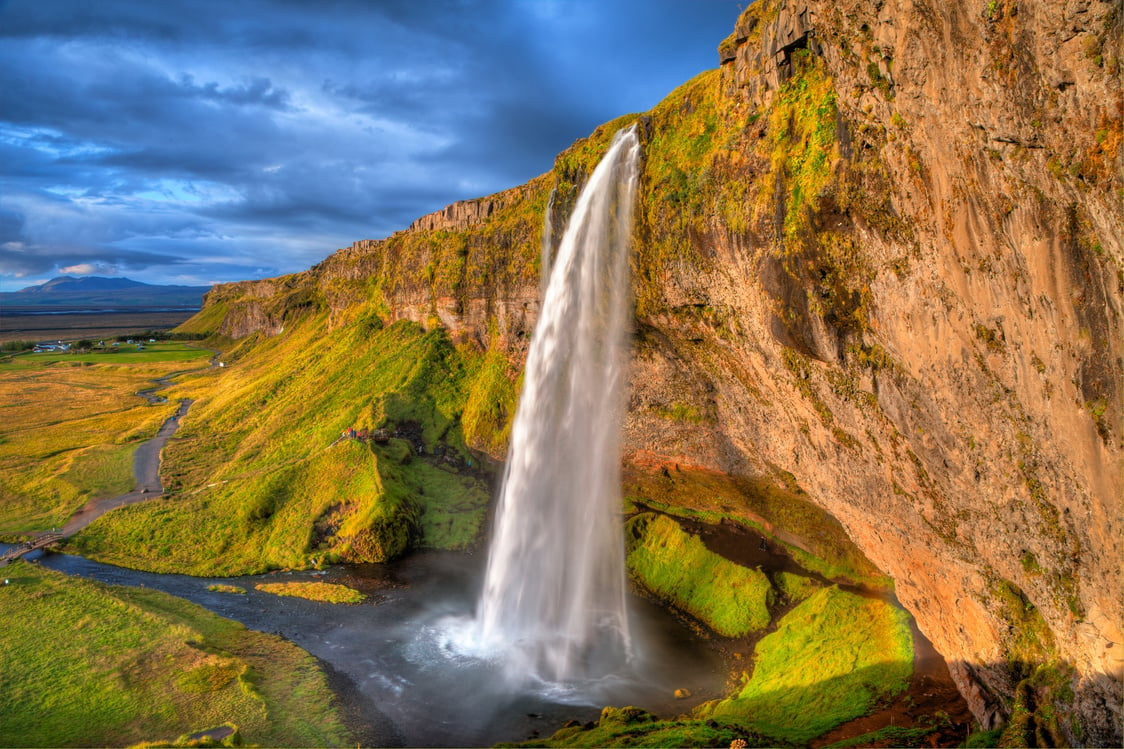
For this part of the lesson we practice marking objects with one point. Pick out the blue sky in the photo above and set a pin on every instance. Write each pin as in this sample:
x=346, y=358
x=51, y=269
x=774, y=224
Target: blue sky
x=189, y=141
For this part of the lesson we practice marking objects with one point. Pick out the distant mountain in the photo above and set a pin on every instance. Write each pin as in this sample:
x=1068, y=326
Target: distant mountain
x=99, y=292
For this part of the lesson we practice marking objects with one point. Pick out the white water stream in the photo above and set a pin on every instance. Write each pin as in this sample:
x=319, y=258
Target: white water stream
x=554, y=596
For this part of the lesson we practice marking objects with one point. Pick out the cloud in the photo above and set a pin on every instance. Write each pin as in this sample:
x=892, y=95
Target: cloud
x=89, y=269
x=261, y=135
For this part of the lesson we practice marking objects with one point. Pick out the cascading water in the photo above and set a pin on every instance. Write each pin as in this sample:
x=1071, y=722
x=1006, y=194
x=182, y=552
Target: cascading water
x=554, y=592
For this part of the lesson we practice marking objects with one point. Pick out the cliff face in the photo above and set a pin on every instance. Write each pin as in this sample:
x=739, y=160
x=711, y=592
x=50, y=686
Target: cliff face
x=878, y=259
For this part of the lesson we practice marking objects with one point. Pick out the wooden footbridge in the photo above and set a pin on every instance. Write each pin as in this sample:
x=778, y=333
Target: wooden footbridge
x=41, y=542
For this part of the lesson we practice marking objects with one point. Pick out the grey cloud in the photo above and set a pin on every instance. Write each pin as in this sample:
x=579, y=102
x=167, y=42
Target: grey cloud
x=235, y=137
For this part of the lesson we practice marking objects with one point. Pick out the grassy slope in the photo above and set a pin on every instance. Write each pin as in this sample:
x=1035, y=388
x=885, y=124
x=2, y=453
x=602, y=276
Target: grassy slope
x=69, y=424
x=258, y=484
x=830, y=660
x=85, y=664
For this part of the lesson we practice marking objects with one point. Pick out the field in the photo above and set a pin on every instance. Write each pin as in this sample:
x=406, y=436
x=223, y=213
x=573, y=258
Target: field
x=93, y=326
x=86, y=664
x=69, y=424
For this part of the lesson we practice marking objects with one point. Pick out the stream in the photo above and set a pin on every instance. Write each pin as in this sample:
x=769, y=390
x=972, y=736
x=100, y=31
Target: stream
x=394, y=662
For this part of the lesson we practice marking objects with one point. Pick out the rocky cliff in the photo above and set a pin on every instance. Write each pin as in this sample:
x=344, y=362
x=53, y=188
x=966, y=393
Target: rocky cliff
x=878, y=261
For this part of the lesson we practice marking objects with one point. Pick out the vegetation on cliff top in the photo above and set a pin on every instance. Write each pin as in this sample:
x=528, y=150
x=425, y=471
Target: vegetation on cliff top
x=87, y=664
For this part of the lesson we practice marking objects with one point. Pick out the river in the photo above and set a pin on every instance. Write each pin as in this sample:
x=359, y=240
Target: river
x=393, y=659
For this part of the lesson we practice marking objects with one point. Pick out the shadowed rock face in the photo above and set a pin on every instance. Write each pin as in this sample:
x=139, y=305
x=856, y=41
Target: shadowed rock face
x=908, y=304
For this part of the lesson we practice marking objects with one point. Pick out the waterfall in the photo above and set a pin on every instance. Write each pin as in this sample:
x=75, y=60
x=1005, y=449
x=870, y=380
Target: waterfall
x=554, y=590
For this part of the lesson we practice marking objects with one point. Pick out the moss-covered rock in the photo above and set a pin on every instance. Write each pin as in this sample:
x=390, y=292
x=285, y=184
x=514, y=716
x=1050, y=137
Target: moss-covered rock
x=677, y=567
x=830, y=660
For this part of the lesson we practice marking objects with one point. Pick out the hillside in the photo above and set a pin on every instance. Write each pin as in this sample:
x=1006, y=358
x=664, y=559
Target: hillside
x=878, y=273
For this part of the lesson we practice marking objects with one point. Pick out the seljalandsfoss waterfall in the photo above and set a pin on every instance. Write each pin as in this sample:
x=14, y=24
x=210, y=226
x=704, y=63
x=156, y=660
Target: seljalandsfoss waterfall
x=554, y=596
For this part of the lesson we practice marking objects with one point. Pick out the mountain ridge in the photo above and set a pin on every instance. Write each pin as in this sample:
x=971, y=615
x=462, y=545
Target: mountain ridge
x=96, y=291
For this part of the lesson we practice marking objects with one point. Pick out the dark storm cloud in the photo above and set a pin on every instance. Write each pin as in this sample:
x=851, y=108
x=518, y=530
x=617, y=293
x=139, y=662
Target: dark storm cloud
x=213, y=139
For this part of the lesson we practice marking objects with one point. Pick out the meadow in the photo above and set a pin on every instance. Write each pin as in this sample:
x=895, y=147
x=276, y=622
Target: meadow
x=87, y=664
x=69, y=424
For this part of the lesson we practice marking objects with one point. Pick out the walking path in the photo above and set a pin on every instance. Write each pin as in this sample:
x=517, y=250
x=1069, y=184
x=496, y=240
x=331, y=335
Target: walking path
x=146, y=470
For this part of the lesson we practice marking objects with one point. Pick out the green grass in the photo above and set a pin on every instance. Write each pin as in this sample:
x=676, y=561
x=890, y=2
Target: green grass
x=314, y=591
x=87, y=664
x=220, y=588
x=895, y=736
x=257, y=484
x=813, y=537
x=795, y=587
x=631, y=726
x=126, y=353
x=831, y=659
x=675, y=565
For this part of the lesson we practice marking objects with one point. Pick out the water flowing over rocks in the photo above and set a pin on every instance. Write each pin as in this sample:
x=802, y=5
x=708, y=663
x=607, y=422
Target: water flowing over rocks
x=896, y=286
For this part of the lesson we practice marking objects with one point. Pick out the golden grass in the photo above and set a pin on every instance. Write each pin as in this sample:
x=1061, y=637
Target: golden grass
x=257, y=480
x=68, y=429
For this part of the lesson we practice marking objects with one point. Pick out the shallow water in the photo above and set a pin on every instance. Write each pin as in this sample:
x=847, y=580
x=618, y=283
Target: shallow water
x=403, y=663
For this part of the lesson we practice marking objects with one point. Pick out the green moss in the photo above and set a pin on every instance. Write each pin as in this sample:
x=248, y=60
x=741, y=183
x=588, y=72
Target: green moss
x=879, y=81
x=872, y=356
x=490, y=406
x=1031, y=639
x=984, y=739
x=227, y=589
x=896, y=736
x=1030, y=563
x=1039, y=701
x=631, y=726
x=831, y=659
x=675, y=565
x=801, y=142
x=993, y=339
x=314, y=591
x=794, y=587
x=678, y=411
x=777, y=508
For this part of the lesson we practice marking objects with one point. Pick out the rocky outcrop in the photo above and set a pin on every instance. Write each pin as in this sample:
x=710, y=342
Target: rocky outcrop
x=878, y=260
x=983, y=466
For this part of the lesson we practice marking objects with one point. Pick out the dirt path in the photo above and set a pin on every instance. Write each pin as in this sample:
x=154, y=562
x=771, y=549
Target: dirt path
x=146, y=470
x=146, y=460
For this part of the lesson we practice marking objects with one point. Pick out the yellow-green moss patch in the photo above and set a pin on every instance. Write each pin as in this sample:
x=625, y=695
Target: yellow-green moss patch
x=314, y=591
x=830, y=660
x=675, y=565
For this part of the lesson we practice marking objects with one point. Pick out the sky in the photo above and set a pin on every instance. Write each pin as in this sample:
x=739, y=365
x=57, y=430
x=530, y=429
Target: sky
x=201, y=141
